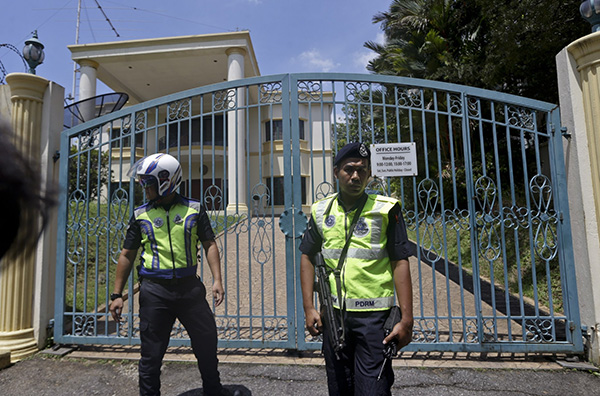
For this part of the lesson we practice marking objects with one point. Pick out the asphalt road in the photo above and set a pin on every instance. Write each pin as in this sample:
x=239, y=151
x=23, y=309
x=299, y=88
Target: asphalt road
x=43, y=375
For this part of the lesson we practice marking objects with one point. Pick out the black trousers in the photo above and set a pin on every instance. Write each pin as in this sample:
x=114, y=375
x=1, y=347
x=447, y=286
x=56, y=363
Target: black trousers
x=355, y=373
x=160, y=305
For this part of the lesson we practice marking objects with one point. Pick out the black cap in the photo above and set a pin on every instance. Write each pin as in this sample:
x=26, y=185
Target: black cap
x=352, y=150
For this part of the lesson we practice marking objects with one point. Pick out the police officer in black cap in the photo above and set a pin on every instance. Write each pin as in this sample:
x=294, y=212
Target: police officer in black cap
x=374, y=265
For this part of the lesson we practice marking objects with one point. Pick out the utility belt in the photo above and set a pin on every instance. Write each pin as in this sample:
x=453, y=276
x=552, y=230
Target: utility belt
x=171, y=281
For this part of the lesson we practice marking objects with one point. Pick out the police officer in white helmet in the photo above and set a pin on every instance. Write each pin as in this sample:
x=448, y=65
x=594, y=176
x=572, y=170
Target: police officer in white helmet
x=169, y=229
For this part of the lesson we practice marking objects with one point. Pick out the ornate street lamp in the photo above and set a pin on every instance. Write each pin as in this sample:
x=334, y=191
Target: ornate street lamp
x=590, y=11
x=33, y=52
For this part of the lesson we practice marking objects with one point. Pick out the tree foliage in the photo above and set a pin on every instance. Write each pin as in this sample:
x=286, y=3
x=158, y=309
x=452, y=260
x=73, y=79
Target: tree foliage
x=88, y=172
x=507, y=46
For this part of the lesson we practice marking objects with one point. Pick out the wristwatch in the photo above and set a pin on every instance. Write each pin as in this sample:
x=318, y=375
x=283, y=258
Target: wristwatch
x=114, y=296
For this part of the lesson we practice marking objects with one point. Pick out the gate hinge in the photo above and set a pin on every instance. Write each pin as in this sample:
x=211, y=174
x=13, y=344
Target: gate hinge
x=561, y=217
x=564, y=131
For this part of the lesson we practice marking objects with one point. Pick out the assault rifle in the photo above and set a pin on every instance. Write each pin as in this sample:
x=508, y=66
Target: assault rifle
x=391, y=348
x=333, y=323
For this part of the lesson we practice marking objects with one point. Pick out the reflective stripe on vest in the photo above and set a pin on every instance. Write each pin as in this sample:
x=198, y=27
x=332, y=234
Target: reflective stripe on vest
x=367, y=276
x=365, y=304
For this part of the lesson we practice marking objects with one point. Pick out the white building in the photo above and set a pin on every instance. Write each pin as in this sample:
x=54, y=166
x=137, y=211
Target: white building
x=153, y=68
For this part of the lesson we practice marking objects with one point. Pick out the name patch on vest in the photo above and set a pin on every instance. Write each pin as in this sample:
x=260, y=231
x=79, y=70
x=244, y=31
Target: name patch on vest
x=361, y=228
x=158, y=222
x=330, y=221
x=364, y=304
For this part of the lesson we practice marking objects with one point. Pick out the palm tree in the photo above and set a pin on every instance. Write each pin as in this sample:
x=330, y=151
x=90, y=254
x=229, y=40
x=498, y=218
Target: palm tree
x=417, y=34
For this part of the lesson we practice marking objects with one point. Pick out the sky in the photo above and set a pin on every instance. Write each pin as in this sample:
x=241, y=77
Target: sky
x=288, y=36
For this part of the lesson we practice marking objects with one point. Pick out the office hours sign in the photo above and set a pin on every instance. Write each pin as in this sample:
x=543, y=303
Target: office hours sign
x=394, y=159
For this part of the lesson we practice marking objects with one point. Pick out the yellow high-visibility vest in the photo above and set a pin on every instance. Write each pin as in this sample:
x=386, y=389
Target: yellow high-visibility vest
x=169, y=239
x=366, y=276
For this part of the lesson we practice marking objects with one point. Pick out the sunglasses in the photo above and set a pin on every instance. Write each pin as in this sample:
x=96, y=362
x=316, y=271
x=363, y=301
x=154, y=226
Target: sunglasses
x=147, y=181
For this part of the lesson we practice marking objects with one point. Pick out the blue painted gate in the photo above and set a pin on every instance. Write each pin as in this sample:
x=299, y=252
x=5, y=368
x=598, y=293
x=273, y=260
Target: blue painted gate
x=488, y=211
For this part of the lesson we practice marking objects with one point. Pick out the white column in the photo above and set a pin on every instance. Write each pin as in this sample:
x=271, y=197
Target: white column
x=578, y=66
x=236, y=135
x=87, y=86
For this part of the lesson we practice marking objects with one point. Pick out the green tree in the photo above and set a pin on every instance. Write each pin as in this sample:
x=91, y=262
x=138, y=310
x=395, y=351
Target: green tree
x=416, y=43
x=508, y=46
x=88, y=172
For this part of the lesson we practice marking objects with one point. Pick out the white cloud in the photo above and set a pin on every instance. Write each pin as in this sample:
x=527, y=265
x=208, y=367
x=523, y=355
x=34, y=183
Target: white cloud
x=362, y=58
x=314, y=60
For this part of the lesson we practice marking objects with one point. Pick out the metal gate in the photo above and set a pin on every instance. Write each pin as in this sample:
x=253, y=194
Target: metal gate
x=488, y=211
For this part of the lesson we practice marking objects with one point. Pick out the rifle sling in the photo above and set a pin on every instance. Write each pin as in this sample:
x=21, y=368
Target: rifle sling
x=338, y=270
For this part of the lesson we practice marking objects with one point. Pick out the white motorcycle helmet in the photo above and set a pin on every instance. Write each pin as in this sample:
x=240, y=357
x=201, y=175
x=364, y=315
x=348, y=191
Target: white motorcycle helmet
x=162, y=169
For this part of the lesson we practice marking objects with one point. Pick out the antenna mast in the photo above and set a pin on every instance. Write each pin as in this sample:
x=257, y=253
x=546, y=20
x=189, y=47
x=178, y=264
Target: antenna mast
x=76, y=42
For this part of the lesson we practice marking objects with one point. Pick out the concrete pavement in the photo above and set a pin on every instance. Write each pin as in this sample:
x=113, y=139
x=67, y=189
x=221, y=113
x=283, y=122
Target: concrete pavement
x=113, y=371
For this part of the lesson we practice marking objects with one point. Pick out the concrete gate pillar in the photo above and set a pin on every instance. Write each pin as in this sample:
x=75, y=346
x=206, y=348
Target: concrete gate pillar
x=578, y=67
x=16, y=282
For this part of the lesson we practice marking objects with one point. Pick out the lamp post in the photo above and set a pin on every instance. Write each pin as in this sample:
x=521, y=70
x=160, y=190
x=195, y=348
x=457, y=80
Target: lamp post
x=33, y=52
x=590, y=11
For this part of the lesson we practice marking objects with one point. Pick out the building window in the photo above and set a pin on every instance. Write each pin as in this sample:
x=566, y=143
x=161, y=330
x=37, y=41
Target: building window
x=125, y=141
x=278, y=196
x=212, y=132
x=278, y=130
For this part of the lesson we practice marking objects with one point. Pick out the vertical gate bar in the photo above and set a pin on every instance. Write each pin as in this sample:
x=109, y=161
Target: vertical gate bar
x=516, y=238
x=384, y=115
x=422, y=112
x=480, y=134
x=84, y=309
x=108, y=265
x=415, y=206
x=334, y=143
x=98, y=230
x=311, y=148
x=457, y=214
x=567, y=260
x=61, y=238
x=470, y=182
x=370, y=107
x=503, y=245
x=323, y=140
x=442, y=215
x=499, y=216
x=291, y=198
x=532, y=254
x=345, y=86
x=539, y=171
x=107, y=250
x=188, y=191
x=271, y=180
